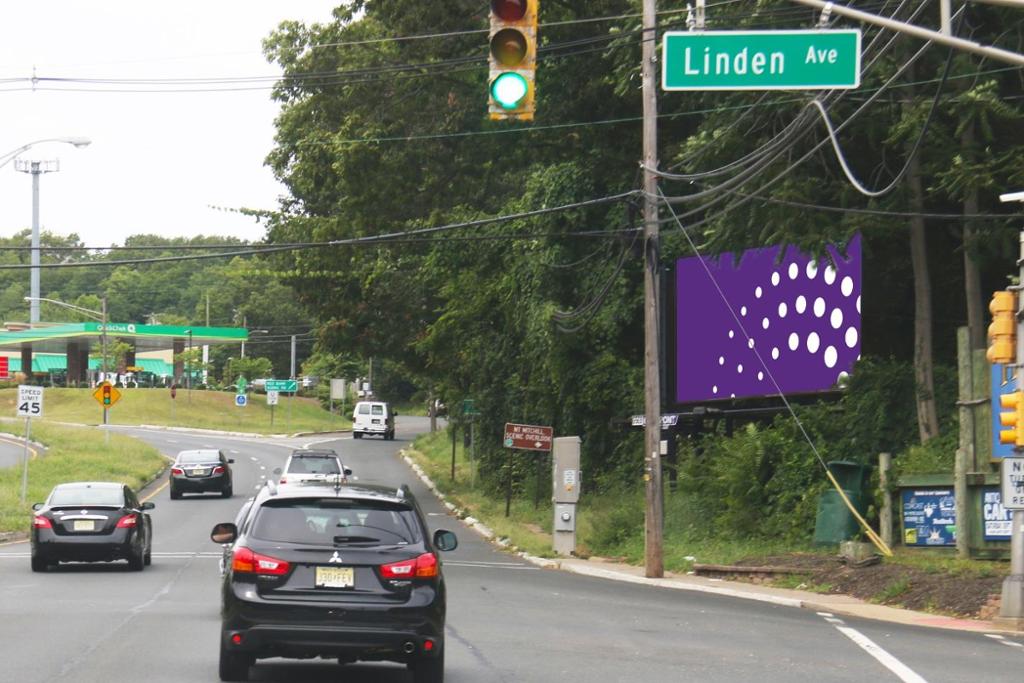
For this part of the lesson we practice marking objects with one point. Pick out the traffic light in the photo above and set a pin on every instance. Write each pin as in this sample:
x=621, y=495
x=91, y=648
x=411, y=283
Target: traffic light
x=107, y=389
x=513, y=59
x=1013, y=417
x=1002, y=333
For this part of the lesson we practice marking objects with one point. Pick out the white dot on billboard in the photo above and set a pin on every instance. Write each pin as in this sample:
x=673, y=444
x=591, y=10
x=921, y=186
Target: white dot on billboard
x=760, y=376
x=801, y=304
x=843, y=376
x=739, y=369
x=743, y=311
x=775, y=279
x=830, y=275
x=846, y=286
x=858, y=303
x=783, y=310
x=758, y=292
x=813, y=342
x=794, y=341
x=794, y=271
x=851, y=337
x=731, y=334
x=831, y=356
x=714, y=389
x=765, y=323
x=721, y=360
x=812, y=269
x=750, y=343
x=775, y=353
x=819, y=307
x=836, y=318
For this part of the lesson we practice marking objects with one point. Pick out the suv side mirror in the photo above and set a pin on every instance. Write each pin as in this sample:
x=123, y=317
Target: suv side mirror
x=445, y=540
x=231, y=461
x=225, y=532
x=148, y=506
x=37, y=506
x=277, y=471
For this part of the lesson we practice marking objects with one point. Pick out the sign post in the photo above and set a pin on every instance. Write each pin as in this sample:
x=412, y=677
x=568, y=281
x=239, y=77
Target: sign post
x=272, y=401
x=30, y=404
x=527, y=438
x=761, y=60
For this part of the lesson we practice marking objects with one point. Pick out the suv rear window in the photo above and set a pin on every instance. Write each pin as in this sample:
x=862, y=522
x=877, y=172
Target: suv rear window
x=313, y=464
x=87, y=495
x=378, y=410
x=336, y=522
x=364, y=409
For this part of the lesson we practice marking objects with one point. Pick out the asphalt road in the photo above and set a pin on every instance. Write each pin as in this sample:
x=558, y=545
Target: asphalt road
x=12, y=451
x=507, y=620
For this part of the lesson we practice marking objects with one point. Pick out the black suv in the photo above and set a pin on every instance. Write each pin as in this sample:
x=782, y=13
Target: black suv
x=200, y=471
x=346, y=572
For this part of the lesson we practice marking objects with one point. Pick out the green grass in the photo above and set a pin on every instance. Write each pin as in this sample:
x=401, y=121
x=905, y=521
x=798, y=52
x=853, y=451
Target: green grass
x=205, y=410
x=73, y=454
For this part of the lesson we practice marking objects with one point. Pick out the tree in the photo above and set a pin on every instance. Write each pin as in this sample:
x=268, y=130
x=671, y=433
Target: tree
x=249, y=368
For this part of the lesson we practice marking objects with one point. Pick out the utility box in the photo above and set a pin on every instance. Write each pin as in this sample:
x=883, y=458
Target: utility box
x=566, y=482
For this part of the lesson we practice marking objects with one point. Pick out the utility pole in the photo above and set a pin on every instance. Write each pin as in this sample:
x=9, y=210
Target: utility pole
x=245, y=326
x=292, y=376
x=103, y=351
x=654, y=519
x=36, y=169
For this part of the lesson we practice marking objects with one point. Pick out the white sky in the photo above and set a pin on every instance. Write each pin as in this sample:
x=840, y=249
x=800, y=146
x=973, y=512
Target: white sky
x=158, y=161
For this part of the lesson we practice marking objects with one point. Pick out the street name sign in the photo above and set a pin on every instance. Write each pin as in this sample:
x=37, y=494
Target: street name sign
x=288, y=386
x=30, y=401
x=667, y=421
x=761, y=60
x=528, y=437
x=1013, y=483
x=272, y=397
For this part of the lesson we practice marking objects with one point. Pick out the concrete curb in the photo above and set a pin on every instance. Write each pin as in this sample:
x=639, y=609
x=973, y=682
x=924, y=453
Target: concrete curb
x=21, y=439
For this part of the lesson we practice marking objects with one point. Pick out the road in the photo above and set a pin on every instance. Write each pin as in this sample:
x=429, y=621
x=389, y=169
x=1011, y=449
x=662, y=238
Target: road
x=507, y=620
x=12, y=451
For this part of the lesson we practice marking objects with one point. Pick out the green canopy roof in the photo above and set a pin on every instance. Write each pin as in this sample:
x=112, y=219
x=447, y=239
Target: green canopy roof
x=54, y=338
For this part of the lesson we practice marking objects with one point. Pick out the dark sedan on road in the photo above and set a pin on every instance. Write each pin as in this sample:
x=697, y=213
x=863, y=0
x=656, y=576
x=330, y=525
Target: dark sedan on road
x=346, y=572
x=201, y=471
x=91, y=522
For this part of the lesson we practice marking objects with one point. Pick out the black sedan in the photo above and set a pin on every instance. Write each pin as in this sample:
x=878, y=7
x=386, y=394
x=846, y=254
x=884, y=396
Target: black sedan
x=201, y=471
x=91, y=522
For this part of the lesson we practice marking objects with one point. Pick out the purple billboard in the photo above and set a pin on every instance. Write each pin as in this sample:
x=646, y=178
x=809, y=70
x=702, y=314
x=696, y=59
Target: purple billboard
x=794, y=319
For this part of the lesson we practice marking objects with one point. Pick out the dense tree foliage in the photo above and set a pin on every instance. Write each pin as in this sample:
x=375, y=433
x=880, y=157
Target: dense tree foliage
x=383, y=132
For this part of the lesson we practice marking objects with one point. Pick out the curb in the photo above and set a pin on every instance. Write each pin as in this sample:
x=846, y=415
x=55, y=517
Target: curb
x=21, y=439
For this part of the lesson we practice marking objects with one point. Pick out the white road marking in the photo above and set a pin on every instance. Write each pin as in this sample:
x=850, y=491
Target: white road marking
x=996, y=636
x=254, y=458
x=490, y=565
x=1011, y=643
x=262, y=467
x=172, y=441
x=825, y=614
x=833, y=620
x=233, y=450
x=902, y=671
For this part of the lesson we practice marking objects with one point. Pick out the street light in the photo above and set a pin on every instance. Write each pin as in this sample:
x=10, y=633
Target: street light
x=37, y=168
x=252, y=332
x=100, y=315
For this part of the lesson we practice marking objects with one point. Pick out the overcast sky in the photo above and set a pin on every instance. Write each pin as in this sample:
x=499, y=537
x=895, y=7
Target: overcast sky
x=159, y=162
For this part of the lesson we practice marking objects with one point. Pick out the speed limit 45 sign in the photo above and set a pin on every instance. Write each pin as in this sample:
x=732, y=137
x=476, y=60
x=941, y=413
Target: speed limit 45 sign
x=30, y=401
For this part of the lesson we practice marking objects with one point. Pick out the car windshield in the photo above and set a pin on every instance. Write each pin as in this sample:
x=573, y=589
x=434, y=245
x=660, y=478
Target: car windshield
x=313, y=464
x=87, y=495
x=196, y=458
x=336, y=522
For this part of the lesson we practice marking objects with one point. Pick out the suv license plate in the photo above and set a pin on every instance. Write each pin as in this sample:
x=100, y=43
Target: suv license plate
x=85, y=525
x=335, y=577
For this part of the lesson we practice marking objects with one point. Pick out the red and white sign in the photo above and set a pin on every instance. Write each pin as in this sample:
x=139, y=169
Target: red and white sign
x=528, y=437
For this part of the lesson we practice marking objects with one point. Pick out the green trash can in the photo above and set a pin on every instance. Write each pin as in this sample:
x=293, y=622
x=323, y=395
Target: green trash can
x=834, y=522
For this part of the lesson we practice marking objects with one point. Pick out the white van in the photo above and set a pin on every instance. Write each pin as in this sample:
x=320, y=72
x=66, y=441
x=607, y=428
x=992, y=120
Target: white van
x=373, y=417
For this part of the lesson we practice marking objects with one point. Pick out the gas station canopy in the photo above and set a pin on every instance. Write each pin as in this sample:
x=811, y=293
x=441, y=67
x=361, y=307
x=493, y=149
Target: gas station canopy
x=55, y=338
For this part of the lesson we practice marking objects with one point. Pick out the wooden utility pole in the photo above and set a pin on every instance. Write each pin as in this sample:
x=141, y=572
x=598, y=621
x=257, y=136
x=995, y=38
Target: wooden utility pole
x=653, y=551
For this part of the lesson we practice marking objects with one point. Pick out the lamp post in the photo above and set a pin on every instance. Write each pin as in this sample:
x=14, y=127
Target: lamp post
x=37, y=168
x=100, y=315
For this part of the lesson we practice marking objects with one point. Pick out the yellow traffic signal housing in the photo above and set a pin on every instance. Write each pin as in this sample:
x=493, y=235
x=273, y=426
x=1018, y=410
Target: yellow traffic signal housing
x=1002, y=333
x=1012, y=417
x=513, y=59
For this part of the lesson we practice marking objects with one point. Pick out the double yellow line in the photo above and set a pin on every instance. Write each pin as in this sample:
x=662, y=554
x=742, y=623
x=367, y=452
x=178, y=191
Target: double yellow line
x=20, y=443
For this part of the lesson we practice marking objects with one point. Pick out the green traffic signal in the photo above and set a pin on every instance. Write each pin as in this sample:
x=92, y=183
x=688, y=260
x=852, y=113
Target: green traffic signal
x=509, y=89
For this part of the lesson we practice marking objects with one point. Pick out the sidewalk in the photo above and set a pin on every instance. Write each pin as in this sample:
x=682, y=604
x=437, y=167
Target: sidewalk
x=819, y=602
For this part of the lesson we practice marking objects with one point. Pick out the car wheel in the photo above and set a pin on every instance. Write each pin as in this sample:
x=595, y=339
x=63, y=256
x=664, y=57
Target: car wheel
x=147, y=559
x=174, y=494
x=234, y=666
x=428, y=669
x=228, y=492
x=39, y=564
x=137, y=560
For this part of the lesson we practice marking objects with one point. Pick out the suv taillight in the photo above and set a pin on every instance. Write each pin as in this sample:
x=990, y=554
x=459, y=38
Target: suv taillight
x=423, y=567
x=219, y=469
x=127, y=522
x=42, y=523
x=246, y=561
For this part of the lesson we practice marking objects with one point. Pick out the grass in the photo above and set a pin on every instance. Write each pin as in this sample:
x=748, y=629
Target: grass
x=73, y=454
x=205, y=410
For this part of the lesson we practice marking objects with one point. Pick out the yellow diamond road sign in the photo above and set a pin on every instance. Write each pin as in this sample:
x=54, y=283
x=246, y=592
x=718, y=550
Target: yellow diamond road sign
x=106, y=394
